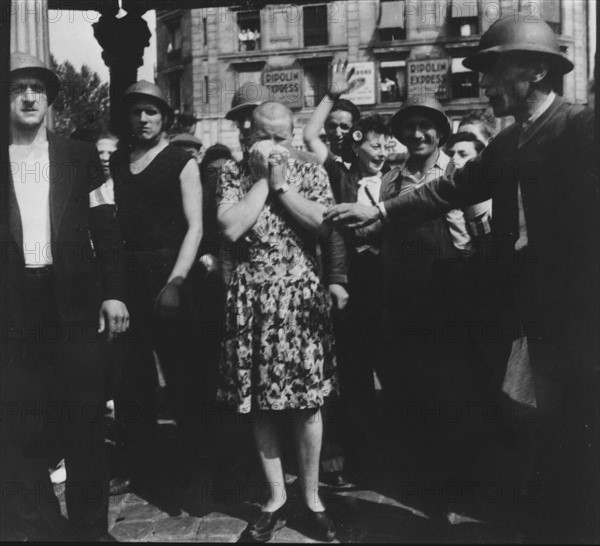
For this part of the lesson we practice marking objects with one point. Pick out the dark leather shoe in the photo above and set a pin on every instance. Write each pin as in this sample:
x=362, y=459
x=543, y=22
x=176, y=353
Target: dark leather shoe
x=265, y=527
x=336, y=479
x=321, y=525
x=107, y=537
x=119, y=486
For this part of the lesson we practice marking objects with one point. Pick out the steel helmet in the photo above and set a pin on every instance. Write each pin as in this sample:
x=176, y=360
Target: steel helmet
x=147, y=90
x=22, y=64
x=249, y=95
x=518, y=33
x=427, y=106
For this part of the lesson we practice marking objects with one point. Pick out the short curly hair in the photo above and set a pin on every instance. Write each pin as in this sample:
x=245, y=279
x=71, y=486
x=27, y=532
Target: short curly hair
x=484, y=119
x=371, y=124
x=347, y=106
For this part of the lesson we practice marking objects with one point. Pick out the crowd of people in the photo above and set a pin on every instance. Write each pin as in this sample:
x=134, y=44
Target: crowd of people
x=284, y=285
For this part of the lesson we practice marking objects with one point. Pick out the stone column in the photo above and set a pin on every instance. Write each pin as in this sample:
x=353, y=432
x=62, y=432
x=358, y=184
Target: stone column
x=29, y=33
x=29, y=28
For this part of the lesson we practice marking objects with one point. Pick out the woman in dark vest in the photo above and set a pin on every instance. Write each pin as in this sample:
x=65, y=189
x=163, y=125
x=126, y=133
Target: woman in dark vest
x=159, y=203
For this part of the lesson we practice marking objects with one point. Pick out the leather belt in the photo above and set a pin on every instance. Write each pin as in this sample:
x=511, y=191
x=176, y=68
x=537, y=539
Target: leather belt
x=40, y=271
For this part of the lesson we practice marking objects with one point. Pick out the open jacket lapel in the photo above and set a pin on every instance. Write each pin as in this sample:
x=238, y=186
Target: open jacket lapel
x=15, y=225
x=62, y=178
x=540, y=123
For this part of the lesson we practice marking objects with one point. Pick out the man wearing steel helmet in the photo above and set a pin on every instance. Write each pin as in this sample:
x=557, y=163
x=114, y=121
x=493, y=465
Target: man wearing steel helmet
x=68, y=289
x=159, y=203
x=540, y=173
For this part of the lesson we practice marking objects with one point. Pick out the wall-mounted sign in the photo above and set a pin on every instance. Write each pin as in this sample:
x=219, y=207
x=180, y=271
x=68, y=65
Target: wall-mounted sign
x=428, y=77
x=365, y=93
x=284, y=85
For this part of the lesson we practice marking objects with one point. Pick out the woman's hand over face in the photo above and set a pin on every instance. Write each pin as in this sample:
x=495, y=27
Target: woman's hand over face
x=278, y=159
x=259, y=156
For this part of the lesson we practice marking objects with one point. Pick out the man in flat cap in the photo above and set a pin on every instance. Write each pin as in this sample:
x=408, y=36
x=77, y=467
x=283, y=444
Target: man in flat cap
x=67, y=288
x=542, y=177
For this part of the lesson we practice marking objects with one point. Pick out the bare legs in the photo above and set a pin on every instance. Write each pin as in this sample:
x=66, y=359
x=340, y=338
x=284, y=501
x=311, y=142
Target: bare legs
x=269, y=452
x=308, y=431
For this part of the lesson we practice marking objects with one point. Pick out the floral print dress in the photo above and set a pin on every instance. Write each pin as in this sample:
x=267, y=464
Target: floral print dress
x=278, y=348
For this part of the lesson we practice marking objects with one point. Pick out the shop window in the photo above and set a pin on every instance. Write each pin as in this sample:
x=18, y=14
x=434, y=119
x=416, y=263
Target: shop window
x=463, y=18
x=392, y=21
x=464, y=83
x=315, y=85
x=175, y=91
x=248, y=30
x=174, y=40
x=314, y=22
x=392, y=81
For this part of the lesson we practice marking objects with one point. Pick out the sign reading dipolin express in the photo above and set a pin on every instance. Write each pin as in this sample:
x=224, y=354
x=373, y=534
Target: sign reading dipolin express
x=284, y=85
x=428, y=76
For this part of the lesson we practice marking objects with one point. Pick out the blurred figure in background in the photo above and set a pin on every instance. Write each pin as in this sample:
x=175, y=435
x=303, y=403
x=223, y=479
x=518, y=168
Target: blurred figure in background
x=106, y=146
x=186, y=123
x=189, y=143
x=481, y=123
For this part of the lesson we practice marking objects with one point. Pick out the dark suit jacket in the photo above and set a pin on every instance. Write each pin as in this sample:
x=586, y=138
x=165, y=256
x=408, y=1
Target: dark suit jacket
x=552, y=286
x=86, y=242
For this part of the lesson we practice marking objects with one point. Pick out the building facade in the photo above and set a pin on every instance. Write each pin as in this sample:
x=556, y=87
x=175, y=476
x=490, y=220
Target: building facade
x=399, y=48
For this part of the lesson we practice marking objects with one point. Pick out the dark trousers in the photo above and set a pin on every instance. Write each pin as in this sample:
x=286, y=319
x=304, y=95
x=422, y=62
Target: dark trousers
x=53, y=385
x=348, y=420
x=177, y=344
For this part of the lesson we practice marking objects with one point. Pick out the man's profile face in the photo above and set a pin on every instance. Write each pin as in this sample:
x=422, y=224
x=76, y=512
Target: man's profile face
x=461, y=152
x=420, y=135
x=28, y=102
x=338, y=123
x=506, y=85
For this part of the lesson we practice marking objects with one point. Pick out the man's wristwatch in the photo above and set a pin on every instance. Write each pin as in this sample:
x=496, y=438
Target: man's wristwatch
x=282, y=189
x=333, y=96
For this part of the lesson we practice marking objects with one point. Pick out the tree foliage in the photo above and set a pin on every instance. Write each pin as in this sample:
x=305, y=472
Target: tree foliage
x=82, y=103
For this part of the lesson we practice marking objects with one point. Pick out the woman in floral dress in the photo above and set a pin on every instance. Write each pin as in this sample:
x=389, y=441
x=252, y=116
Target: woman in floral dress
x=278, y=346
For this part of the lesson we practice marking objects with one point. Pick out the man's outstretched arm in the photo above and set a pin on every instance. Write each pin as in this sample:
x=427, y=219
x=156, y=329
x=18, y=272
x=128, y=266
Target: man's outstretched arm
x=428, y=201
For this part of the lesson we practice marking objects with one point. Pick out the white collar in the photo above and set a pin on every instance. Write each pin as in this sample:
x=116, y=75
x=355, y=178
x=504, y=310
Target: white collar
x=441, y=163
x=539, y=111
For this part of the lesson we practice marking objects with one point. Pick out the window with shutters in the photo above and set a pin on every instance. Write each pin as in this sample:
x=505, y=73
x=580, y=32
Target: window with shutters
x=392, y=20
x=314, y=23
x=463, y=18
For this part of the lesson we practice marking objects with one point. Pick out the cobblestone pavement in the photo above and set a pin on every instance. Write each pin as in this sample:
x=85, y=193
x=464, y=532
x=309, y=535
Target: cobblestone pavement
x=182, y=507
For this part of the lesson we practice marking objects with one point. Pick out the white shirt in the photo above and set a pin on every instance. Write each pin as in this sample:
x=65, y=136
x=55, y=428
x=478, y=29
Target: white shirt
x=455, y=218
x=30, y=168
x=373, y=185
